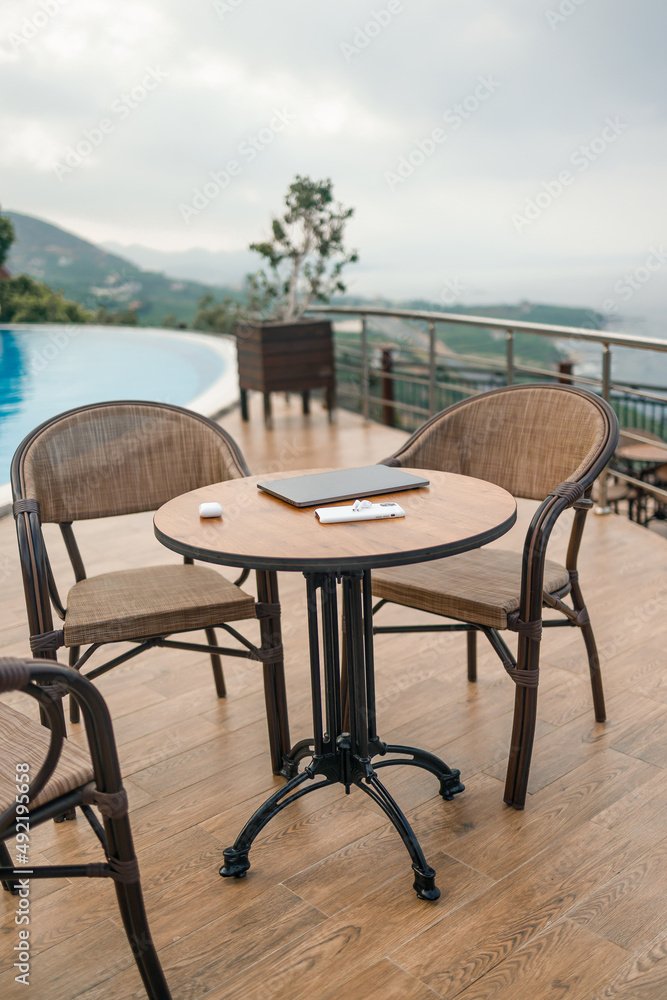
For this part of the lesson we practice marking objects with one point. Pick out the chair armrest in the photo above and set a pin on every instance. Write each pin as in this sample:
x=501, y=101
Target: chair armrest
x=99, y=731
x=535, y=546
x=17, y=675
x=34, y=567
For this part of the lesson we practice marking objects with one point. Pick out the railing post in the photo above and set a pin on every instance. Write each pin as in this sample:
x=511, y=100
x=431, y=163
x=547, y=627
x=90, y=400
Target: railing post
x=509, y=337
x=603, y=507
x=564, y=368
x=431, y=368
x=387, y=387
x=365, y=374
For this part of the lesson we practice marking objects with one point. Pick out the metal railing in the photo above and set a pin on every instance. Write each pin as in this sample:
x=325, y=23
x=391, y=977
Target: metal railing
x=417, y=376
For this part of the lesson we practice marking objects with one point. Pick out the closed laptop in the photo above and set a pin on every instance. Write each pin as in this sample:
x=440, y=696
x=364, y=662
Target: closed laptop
x=341, y=484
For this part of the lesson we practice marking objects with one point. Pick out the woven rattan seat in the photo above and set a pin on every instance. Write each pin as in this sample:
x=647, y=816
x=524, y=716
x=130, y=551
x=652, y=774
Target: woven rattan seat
x=463, y=587
x=113, y=606
x=540, y=442
x=44, y=777
x=18, y=732
x=120, y=458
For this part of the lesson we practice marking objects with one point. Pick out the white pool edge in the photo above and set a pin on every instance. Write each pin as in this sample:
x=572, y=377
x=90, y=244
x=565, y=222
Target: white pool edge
x=219, y=397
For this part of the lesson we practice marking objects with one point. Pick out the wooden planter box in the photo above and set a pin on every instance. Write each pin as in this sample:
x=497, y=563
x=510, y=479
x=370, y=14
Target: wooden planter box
x=286, y=357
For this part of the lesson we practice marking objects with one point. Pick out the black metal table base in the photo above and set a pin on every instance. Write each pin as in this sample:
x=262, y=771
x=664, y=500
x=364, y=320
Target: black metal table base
x=338, y=756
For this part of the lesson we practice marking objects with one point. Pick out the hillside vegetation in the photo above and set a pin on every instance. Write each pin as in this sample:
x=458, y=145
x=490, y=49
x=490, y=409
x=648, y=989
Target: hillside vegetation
x=97, y=279
x=109, y=288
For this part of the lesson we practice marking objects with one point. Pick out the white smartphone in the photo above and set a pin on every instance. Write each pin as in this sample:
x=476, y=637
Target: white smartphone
x=374, y=512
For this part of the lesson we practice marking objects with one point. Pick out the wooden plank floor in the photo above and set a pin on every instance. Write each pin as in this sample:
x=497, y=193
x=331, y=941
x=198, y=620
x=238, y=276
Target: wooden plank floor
x=566, y=898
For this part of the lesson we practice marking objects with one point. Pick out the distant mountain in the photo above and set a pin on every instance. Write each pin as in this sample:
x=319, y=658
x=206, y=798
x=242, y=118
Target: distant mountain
x=216, y=267
x=92, y=276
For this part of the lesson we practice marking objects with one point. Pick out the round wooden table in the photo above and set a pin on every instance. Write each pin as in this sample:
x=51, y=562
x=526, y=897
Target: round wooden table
x=453, y=514
x=642, y=452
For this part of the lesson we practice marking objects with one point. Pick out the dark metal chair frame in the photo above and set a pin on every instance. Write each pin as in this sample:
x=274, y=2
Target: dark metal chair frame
x=45, y=682
x=41, y=595
x=529, y=621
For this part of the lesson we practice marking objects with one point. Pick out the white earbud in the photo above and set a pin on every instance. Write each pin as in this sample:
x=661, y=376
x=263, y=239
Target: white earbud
x=210, y=510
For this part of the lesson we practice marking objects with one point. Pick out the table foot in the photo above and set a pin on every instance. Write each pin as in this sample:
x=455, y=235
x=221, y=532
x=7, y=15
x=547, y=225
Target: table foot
x=236, y=863
x=236, y=857
x=448, y=776
x=424, y=884
x=290, y=768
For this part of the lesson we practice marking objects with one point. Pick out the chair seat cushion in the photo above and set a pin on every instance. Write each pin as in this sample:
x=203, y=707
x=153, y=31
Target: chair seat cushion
x=156, y=600
x=482, y=586
x=22, y=740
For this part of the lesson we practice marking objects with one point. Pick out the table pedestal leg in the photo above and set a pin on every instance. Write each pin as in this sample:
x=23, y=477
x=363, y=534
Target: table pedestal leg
x=337, y=755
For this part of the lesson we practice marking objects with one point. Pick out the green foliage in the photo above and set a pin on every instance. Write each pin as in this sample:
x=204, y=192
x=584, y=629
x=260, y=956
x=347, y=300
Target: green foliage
x=305, y=255
x=94, y=278
x=24, y=300
x=115, y=317
x=218, y=317
x=7, y=237
x=223, y=317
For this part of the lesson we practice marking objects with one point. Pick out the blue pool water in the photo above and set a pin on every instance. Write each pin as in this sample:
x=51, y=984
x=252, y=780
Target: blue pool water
x=47, y=369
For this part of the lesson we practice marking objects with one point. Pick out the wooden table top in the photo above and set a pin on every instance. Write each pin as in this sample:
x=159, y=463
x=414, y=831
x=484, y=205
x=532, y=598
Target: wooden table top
x=455, y=513
x=640, y=452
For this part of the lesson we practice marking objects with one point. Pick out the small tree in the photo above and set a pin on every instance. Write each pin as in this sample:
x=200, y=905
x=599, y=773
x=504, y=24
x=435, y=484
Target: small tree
x=217, y=317
x=7, y=237
x=305, y=255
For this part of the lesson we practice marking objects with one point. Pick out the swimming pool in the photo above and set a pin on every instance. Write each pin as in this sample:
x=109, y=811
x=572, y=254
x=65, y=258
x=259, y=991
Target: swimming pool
x=47, y=369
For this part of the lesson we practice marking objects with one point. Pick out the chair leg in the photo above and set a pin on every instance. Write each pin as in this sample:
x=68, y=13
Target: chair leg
x=521, y=747
x=593, y=658
x=268, y=418
x=595, y=673
x=331, y=402
x=471, y=640
x=216, y=663
x=135, y=921
x=9, y=885
x=523, y=727
x=74, y=714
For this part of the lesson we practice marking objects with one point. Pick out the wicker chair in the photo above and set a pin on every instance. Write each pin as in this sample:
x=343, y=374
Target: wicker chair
x=642, y=505
x=43, y=777
x=541, y=442
x=121, y=458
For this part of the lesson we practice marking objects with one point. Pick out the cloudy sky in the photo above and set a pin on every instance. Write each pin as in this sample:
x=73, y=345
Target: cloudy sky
x=492, y=149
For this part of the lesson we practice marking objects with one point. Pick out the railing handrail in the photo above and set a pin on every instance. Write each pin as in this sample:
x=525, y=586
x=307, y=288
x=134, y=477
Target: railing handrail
x=515, y=325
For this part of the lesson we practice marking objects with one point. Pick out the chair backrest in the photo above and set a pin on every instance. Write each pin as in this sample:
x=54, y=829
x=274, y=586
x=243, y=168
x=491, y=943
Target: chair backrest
x=121, y=458
x=525, y=438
